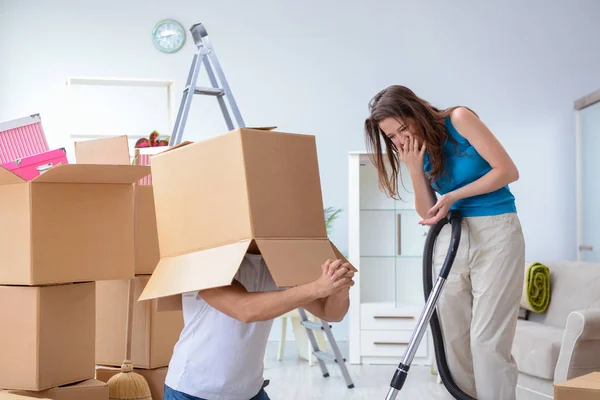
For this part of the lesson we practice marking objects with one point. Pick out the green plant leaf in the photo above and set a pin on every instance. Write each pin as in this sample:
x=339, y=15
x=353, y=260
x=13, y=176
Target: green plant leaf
x=331, y=214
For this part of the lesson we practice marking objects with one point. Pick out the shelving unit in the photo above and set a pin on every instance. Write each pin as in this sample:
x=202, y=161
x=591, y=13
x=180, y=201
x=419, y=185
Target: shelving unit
x=109, y=89
x=385, y=244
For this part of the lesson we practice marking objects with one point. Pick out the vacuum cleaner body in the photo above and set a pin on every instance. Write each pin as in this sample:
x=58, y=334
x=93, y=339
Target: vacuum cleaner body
x=428, y=315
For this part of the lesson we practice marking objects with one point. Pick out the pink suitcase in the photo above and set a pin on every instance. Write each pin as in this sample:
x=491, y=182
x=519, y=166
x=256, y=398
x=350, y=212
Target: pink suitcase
x=31, y=167
x=22, y=137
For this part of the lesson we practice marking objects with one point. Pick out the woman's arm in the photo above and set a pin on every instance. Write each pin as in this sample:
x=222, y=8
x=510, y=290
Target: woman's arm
x=425, y=197
x=503, y=172
x=413, y=155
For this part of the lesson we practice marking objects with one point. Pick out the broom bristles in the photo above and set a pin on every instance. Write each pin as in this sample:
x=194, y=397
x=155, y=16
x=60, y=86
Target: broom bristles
x=128, y=385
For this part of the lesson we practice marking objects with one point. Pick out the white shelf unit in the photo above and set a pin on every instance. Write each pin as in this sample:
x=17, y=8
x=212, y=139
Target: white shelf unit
x=386, y=245
x=77, y=128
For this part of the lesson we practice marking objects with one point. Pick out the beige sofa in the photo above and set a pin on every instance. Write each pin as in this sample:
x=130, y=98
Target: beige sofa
x=563, y=342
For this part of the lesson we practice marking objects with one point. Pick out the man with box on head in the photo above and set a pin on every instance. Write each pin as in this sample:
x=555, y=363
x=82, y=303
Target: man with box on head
x=221, y=349
x=239, y=219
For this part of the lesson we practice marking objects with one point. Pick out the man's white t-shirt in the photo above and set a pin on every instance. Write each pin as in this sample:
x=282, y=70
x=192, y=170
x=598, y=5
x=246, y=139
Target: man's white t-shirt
x=218, y=357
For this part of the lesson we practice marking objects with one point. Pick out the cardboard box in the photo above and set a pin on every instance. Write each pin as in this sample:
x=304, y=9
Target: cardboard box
x=47, y=338
x=107, y=151
x=87, y=390
x=74, y=223
x=154, y=333
x=146, y=235
x=586, y=387
x=10, y=396
x=154, y=377
x=216, y=198
x=115, y=151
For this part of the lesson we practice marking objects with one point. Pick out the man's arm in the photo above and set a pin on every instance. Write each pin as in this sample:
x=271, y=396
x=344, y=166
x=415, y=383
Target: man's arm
x=334, y=307
x=248, y=307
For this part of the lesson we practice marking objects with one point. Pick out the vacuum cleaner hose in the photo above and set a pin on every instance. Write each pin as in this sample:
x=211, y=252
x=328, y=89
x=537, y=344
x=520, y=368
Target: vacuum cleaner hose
x=455, y=220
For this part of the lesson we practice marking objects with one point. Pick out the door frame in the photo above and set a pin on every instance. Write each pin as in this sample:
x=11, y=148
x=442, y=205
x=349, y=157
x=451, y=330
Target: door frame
x=580, y=105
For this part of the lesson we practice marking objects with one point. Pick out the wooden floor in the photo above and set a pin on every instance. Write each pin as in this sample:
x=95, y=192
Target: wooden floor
x=293, y=379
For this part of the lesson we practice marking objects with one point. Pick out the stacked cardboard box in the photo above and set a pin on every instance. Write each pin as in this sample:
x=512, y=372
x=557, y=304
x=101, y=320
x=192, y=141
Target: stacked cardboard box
x=61, y=232
x=91, y=389
x=154, y=333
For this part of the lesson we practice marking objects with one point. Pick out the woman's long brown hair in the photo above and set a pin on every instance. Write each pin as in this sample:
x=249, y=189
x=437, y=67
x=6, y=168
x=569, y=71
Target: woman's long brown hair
x=401, y=103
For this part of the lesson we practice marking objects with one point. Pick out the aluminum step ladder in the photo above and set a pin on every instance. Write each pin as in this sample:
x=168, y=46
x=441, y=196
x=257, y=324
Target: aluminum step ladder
x=321, y=355
x=206, y=54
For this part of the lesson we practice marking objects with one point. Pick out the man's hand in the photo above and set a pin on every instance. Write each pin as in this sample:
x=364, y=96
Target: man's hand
x=332, y=291
x=335, y=276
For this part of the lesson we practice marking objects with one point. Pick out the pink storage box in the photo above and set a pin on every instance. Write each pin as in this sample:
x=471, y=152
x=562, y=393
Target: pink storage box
x=142, y=156
x=22, y=137
x=31, y=167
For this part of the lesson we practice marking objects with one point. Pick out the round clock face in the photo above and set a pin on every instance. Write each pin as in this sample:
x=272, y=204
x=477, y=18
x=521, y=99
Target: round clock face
x=168, y=36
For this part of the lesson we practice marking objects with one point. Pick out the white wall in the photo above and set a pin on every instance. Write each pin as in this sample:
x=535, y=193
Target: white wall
x=312, y=66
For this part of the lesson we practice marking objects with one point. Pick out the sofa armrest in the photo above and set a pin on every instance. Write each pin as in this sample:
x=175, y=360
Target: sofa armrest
x=580, y=348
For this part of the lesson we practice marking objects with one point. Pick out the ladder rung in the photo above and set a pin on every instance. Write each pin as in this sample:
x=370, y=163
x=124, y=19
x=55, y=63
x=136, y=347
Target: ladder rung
x=206, y=91
x=315, y=326
x=324, y=356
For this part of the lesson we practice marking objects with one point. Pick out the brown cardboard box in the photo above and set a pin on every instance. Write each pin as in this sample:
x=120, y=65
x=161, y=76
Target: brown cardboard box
x=47, y=339
x=110, y=150
x=74, y=223
x=115, y=151
x=586, y=387
x=154, y=377
x=87, y=390
x=10, y=396
x=216, y=198
x=154, y=333
x=146, y=236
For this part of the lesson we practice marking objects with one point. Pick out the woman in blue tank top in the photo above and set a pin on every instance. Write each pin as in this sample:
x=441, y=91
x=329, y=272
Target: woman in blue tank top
x=456, y=163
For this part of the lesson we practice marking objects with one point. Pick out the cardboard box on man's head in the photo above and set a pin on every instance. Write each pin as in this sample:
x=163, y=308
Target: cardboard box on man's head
x=216, y=198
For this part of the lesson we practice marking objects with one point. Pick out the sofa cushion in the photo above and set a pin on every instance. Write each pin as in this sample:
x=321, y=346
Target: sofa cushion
x=536, y=348
x=573, y=286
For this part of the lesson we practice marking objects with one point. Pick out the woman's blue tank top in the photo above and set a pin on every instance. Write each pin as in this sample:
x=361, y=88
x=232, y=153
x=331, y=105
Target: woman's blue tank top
x=463, y=165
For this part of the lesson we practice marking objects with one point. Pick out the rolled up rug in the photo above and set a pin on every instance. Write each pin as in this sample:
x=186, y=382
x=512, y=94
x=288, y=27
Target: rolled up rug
x=536, y=288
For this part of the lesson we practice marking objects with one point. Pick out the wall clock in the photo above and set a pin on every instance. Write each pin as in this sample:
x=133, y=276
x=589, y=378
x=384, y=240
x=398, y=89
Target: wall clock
x=168, y=36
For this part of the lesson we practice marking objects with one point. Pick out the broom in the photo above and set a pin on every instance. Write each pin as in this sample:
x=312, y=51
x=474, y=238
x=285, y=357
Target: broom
x=128, y=385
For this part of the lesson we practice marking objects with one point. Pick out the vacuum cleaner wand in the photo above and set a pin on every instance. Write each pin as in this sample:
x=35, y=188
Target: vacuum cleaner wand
x=401, y=373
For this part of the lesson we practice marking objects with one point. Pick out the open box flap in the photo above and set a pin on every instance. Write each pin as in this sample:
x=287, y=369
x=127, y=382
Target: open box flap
x=8, y=178
x=195, y=271
x=112, y=150
x=295, y=262
x=87, y=173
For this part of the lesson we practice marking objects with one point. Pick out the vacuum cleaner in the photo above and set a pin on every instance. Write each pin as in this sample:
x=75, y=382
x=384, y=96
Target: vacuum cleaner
x=429, y=315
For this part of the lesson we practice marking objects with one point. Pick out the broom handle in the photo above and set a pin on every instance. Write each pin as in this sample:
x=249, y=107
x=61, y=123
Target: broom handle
x=131, y=291
x=129, y=330
x=130, y=298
